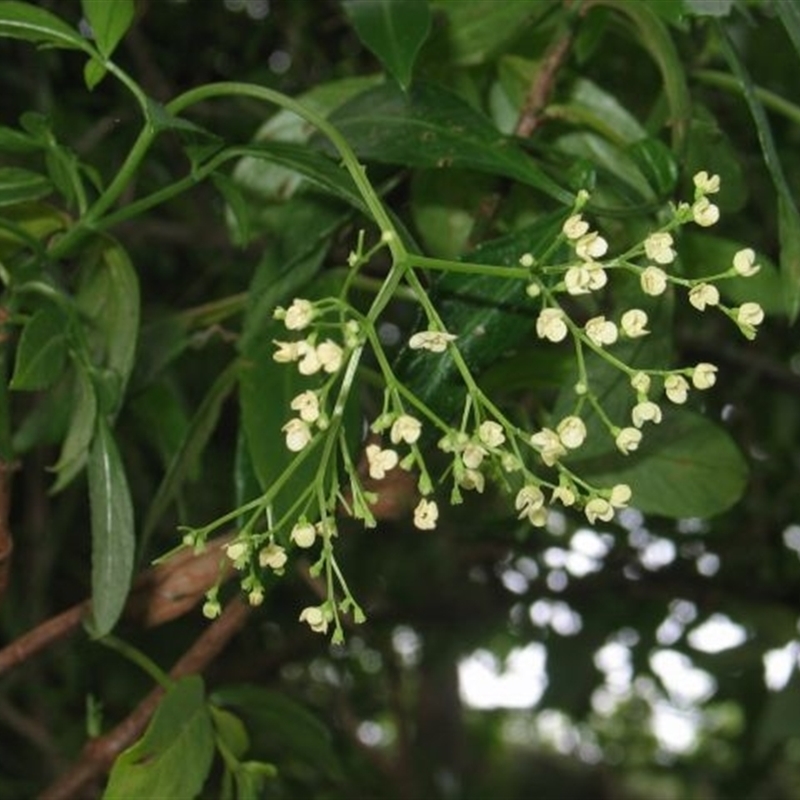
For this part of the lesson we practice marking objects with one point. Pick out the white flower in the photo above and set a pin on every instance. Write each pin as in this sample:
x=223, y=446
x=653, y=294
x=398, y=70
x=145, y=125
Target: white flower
x=533, y=289
x=298, y=315
x=744, y=263
x=426, y=514
x=653, y=281
x=330, y=356
x=750, y=314
x=677, y=388
x=435, y=341
x=286, y=352
x=620, y=495
x=601, y=331
x=380, y=461
x=646, y=411
x=575, y=227
x=527, y=260
x=303, y=534
x=704, y=376
x=298, y=434
x=705, y=213
x=640, y=382
x=598, y=508
x=705, y=183
x=597, y=276
x=564, y=495
x=634, y=323
x=272, y=556
x=309, y=360
x=591, y=246
x=577, y=279
x=658, y=248
x=316, y=618
x=237, y=552
x=530, y=503
x=571, y=431
x=550, y=325
x=628, y=440
x=307, y=405
x=405, y=429
x=491, y=433
x=702, y=295
x=472, y=479
x=549, y=446
x=256, y=597
x=473, y=455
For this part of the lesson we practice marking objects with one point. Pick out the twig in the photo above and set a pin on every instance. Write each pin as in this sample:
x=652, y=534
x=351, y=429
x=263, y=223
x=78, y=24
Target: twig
x=99, y=754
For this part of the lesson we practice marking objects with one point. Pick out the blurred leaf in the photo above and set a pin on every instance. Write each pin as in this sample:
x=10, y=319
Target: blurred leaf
x=239, y=221
x=431, y=127
x=394, y=30
x=174, y=756
x=26, y=21
x=476, y=30
x=788, y=214
x=789, y=14
x=113, y=537
x=685, y=467
x=14, y=141
x=42, y=350
x=62, y=167
x=230, y=730
x=83, y=417
x=708, y=8
x=109, y=21
x=780, y=719
x=18, y=185
x=657, y=163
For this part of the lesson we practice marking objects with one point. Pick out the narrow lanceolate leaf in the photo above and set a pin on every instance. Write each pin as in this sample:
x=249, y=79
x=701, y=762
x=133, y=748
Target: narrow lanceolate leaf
x=431, y=127
x=26, y=21
x=18, y=185
x=175, y=754
x=394, y=30
x=788, y=214
x=42, y=350
x=113, y=538
x=109, y=21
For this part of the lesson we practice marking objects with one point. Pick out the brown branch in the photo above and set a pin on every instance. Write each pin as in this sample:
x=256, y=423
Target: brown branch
x=99, y=754
x=159, y=594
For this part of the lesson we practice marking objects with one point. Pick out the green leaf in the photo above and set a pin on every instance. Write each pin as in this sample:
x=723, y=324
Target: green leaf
x=685, y=467
x=26, y=21
x=14, y=141
x=709, y=8
x=657, y=163
x=431, y=127
x=18, y=185
x=42, y=350
x=174, y=757
x=109, y=21
x=788, y=214
x=789, y=14
x=230, y=731
x=113, y=536
x=93, y=73
x=83, y=418
x=394, y=30
x=108, y=296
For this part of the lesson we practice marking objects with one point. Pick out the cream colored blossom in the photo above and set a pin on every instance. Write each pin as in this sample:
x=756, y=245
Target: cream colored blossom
x=702, y=295
x=598, y=508
x=628, y=439
x=550, y=325
x=255, y=597
x=380, y=461
x=286, y=352
x=676, y=388
x=704, y=376
x=601, y=331
x=646, y=411
x=298, y=316
x=575, y=227
x=491, y=433
x=597, y=276
x=653, y=281
x=309, y=360
x=237, y=552
x=549, y=446
x=426, y=514
x=530, y=503
x=307, y=405
x=316, y=618
x=273, y=556
x=527, y=260
x=405, y=429
x=658, y=247
x=435, y=341
x=564, y=495
x=298, y=434
x=572, y=432
x=591, y=246
x=472, y=455
x=744, y=263
x=303, y=534
x=634, y=323
x=620, y=495
x=577, y=279
x=750, y=314
x=705, y=183
x=640, y=382
x=330, y=356
x=472, y=479
x=705, y=213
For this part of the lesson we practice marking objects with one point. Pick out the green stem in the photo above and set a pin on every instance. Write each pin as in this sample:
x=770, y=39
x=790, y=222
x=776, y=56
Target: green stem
x=139, y=658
